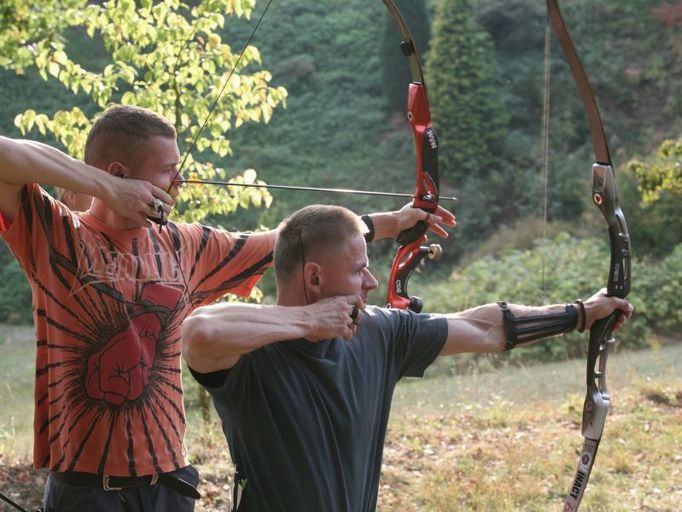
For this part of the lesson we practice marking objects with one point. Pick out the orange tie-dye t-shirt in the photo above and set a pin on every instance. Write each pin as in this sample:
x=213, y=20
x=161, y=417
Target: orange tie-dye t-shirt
x=108, y=305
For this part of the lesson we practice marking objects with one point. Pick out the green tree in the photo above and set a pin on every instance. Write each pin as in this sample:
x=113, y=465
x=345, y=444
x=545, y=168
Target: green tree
x=169, y=57
x=470, y=120
x=395, y=69
x=460, y=74
x=660, y=174
x=25, y=24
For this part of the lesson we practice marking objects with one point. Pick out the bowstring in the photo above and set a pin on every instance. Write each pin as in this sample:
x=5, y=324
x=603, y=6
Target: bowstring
x=203, y=125
x=544, y=149
x=220, y=93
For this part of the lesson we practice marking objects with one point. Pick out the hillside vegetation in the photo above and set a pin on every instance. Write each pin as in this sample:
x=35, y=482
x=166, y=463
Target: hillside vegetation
x=339, y=129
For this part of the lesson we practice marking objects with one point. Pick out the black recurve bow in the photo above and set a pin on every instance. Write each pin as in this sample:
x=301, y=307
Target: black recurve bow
x=605, y=197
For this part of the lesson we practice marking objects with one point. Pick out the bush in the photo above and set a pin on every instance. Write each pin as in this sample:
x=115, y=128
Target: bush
x=658, y=303
x=556, y=271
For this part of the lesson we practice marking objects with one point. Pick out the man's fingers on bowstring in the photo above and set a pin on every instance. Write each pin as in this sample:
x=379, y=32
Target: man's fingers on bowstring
x=335, y=315
x=161, y=199
x=156, y=207
x=355, y=309
x=357, y=306
x=160, y=210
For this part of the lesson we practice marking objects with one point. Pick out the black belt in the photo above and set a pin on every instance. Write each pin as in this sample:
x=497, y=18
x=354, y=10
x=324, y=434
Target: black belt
x=116, y=483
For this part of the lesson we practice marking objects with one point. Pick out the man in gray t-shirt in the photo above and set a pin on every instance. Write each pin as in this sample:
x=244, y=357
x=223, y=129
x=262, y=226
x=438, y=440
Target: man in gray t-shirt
x=304, y=387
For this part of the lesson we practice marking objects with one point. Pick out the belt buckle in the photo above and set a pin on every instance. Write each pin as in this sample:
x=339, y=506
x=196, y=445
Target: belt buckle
x=105, y=484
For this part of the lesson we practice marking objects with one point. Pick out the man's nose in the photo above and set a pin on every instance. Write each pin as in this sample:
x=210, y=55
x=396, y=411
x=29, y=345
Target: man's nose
x=370, y=281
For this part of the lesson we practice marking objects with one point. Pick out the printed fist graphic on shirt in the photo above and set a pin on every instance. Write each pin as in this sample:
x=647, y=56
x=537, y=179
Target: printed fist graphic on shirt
x=122, y=368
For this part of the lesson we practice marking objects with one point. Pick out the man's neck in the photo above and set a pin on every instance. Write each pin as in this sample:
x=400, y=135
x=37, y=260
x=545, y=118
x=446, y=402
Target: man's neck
x=104, y=214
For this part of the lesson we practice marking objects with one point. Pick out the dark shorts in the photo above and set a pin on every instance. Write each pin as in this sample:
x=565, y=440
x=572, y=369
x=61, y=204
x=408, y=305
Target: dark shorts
x=61, y=497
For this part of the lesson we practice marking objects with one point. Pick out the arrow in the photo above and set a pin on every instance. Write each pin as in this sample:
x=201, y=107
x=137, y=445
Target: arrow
x=309, y=189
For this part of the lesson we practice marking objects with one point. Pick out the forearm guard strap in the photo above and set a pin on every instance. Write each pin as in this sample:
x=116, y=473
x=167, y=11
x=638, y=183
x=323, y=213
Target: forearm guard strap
x=526, y=329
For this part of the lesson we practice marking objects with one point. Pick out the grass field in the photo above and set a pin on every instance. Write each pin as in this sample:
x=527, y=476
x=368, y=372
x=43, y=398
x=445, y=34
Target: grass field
x=507, y=440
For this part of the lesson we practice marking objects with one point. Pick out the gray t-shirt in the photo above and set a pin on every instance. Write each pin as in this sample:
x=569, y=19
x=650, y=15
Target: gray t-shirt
x=306, y=422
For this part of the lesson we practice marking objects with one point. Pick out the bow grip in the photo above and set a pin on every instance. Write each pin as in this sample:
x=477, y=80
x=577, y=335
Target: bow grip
x=413, y=234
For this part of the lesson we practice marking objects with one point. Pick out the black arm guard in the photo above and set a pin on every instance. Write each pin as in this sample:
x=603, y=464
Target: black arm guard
x=532, y=328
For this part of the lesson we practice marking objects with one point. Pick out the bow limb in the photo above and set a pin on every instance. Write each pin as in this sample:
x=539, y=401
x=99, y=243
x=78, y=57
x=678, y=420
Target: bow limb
x=413, y=248
x=605, y=197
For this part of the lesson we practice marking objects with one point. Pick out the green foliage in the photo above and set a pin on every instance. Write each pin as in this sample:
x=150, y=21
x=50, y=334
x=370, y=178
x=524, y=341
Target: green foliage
x=553, y=272
x=168, y=57
x=661, y=173
x=468, y=116
x=633, y=62
x=395, y=69
x=460, y=74
x=23, y=25
x=335, y=132
x=658, y=291
x=15, y=293
x=654, y=229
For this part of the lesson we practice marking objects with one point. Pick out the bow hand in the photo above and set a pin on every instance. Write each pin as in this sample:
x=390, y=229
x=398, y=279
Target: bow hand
x=602, y=306
x=409, y=223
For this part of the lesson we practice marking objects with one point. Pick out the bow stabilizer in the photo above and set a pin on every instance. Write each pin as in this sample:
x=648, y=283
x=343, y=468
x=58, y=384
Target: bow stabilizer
x=605, y=197
x=413, y=242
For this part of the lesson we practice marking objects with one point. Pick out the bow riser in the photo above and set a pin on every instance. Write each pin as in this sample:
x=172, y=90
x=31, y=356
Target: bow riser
x=597, y=399
x=605, y=197
x=426, y=194
x=413, y=248
x=404, y=263
x=426, y=147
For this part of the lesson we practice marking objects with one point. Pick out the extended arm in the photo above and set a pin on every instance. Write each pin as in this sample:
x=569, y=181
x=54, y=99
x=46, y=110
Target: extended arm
x=215, y=337
x=482, y=329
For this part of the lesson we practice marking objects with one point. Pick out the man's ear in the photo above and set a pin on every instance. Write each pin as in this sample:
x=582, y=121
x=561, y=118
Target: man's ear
x=117, y=169
x=312, y=277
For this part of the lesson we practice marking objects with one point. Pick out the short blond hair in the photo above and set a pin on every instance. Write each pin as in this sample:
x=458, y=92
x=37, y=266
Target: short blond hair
x=310, y=231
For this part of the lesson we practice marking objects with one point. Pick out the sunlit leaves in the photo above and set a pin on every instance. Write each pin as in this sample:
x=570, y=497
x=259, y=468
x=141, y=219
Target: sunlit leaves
x=23, y=23
x=661, y=173
x=165, y=56
x=201, y=200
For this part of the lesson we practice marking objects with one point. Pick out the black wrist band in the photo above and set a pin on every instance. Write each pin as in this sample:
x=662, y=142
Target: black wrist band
x=583, y=315
x=369, y=236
